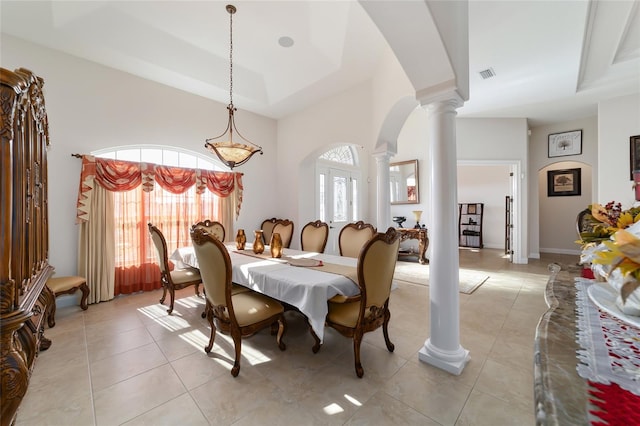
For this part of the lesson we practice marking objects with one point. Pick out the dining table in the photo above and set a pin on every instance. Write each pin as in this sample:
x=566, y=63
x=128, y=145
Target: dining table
x=302, y=279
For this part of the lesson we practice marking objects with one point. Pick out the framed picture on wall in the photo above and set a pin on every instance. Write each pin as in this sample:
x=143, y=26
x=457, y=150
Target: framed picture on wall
x=565, y=143
x=563, y=182
x=634, y=148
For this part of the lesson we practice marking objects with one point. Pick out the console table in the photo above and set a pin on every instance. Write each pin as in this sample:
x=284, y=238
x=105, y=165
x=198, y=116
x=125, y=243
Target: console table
x=560, y=393
x=423, y=242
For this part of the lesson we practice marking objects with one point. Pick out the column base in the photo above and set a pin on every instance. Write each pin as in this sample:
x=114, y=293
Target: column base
x=451, y=362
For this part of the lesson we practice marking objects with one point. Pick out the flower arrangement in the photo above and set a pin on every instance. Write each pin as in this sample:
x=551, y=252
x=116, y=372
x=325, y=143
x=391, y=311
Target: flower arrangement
x=610, y=241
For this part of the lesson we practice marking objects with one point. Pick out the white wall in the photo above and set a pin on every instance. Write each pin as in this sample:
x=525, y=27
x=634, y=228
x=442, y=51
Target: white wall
x=344, y=119
x=501, y=140
x=558, y=214
x=494, y=144
x=92, y=107
x=550, y=231
x=489, y=185
x=618, y=120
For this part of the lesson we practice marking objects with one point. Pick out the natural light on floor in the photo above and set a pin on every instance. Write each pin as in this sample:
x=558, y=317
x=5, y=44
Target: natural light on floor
x=223, y=343
x=158, y=313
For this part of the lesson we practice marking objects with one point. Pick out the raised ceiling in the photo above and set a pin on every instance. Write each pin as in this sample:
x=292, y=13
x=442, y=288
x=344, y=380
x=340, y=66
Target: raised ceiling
x=553, y=60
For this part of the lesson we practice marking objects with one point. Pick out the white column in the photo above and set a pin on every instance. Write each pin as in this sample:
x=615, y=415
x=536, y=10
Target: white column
x=442, y=349
x=382, y=190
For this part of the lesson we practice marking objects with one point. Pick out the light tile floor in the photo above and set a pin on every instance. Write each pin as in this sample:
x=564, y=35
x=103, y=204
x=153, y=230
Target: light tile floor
x=127, y=362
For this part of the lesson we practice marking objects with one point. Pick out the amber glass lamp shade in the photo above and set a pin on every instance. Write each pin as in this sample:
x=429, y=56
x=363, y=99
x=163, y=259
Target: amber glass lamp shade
x=258, y=245
x=276, y=245
x=232, y=153
x=417, y=214
x=241, y=239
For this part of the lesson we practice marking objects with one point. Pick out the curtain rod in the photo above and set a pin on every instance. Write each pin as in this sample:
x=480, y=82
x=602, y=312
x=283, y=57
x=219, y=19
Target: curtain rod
x=80, y=156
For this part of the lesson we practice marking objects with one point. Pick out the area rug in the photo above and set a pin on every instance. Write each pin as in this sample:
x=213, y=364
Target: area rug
x=416, y=273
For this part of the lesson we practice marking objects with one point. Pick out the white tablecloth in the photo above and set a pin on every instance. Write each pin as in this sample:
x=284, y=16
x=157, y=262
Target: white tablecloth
x=306, y=288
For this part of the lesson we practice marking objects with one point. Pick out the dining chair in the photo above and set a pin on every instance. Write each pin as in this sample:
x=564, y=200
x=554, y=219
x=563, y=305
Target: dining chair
x=215, y=228
x=314, y=236
x=283, y=227
x=239, y=314
x=369, y=310
x=175, y=279
x=353, y=236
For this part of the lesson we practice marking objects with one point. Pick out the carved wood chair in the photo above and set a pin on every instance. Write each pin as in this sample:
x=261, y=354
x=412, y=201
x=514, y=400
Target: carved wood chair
x=285, y=229
x=215, y=228
x=369, y=310
x=58, y=286
x=172, y=280
x=241, y=314
x=314, y=236
x=267, y=229
x=353, y=236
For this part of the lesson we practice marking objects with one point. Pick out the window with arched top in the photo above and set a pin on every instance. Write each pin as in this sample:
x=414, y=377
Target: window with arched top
x=341, y=154
x=159, y=154
x=337, y=190
x=172, y=211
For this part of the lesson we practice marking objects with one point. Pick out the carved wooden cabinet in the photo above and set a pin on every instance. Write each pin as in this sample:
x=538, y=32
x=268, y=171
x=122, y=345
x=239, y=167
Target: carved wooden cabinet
x=24, y=234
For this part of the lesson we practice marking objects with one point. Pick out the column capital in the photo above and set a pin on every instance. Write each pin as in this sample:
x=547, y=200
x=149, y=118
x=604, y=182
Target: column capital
x=381, y=156
x=450, y=98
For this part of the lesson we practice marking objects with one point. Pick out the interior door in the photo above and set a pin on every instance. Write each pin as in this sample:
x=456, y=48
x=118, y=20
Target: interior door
x=337, y=202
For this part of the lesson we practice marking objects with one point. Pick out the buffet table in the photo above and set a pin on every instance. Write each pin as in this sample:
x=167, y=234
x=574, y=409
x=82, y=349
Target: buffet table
x=572, y=385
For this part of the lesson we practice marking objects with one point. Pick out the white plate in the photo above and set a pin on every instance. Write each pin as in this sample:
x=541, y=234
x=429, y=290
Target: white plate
x=604, y=296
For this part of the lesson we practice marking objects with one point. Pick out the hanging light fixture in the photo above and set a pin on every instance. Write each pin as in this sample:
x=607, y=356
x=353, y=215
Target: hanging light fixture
x=232, y=153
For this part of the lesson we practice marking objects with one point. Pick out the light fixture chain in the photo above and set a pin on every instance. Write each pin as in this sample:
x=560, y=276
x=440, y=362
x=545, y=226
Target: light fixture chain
x=231, y=59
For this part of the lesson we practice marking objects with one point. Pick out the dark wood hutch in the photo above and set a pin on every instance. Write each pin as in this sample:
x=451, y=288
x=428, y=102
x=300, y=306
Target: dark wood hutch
x=24, y=234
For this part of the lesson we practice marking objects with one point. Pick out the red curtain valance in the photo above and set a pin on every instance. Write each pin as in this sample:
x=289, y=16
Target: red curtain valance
x=118, y=175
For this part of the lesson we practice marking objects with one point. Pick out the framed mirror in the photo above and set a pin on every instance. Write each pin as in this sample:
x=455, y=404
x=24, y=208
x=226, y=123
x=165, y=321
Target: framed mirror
x=403, y=179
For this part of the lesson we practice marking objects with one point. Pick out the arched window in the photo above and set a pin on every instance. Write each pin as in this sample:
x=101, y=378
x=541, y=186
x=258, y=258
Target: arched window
x=338, y=190
x=136, y=263
x=159, y=154
x=342, y=154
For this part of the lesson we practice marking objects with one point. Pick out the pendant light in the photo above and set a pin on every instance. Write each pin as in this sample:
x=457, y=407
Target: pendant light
x=232, y=153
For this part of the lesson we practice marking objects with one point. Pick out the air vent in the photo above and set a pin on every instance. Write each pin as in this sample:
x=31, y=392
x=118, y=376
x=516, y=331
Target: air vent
x=488, y=73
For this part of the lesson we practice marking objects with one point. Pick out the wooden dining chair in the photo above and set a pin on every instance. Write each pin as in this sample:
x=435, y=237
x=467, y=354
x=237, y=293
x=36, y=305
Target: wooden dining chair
x=353, y=236
x=215, y=228
x=314, y=236
x=284, y=227
x=175, y=279
x=241, y=314
x=369, y=310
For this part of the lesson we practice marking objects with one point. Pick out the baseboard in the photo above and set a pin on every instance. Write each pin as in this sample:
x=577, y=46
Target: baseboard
x=534, y=255
x=560, y=251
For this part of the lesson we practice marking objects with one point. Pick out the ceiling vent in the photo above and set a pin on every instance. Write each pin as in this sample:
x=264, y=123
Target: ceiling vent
x=488, y=73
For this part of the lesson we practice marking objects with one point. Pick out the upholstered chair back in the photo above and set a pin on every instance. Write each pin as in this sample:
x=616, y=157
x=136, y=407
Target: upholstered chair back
x=376, y=265
x=160, y=245
x=353, y=237
x=285, y=229
x=212, y=227
x=267, y=228
x=215, y=266
x=314, y=236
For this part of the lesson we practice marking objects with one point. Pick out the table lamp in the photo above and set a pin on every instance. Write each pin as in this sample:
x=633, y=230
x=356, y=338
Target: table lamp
x=417, y=214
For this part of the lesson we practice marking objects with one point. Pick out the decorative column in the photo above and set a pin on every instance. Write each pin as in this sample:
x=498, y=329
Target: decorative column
x=382, y=189
x=442, y=349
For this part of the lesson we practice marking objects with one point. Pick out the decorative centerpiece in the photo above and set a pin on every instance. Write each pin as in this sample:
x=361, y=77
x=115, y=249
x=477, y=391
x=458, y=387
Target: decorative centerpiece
x=399, y=220
x=611, y=244
x=258, y=245
x=275, y=245
x=241, y=239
